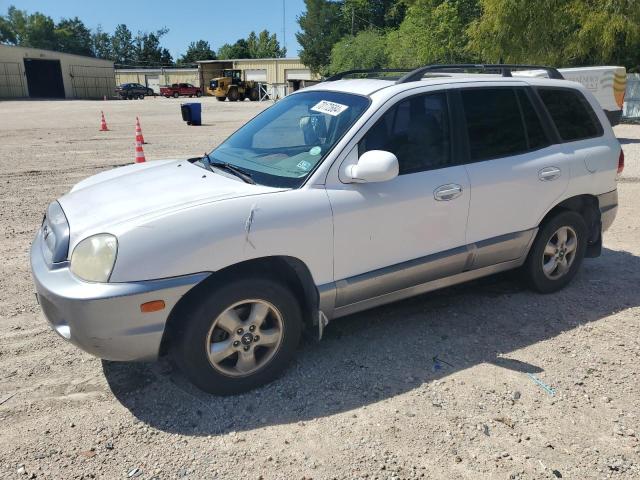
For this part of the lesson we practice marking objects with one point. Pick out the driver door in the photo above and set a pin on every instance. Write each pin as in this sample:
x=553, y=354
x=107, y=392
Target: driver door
x=410, y=230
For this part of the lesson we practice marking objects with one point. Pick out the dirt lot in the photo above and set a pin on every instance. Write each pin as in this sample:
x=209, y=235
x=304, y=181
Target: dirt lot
x=369, y=401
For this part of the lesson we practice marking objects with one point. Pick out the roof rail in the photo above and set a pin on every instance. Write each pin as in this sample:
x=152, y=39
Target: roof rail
x=341, y=75
x=418, y=73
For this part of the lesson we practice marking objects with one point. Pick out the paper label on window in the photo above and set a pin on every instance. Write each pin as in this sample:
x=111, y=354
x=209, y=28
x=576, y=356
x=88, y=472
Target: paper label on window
x=315, y=151
x=330, y=108
x=304, y=165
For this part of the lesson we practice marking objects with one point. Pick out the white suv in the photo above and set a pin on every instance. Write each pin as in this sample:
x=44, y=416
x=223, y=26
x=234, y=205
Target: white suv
x=338, y=198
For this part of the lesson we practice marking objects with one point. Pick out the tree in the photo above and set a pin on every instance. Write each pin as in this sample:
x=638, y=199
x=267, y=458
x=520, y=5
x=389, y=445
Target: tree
x=364, y=50
x=102, y=44
x=240, y=49
x=433, y=31
x=264, y=45
x=365, y=14
x=73, y=37
x=147, y=49
x=122, y=47
x=200, y=50
x=322, y=26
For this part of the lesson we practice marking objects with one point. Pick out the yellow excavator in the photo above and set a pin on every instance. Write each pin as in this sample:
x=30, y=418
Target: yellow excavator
x=231, y=86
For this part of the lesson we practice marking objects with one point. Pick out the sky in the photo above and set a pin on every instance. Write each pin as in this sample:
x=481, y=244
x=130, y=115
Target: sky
x=187, y=20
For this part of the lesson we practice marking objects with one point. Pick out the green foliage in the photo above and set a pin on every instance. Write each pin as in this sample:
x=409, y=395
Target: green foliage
x=240, y=49
x=122, y=47
x=200, y=50
x=148, y=51
x=322, y=25
x=73, y=37
x=365, y=50
x=365, y=14
x=101, y=44
x=432, y=32
x=263, y=45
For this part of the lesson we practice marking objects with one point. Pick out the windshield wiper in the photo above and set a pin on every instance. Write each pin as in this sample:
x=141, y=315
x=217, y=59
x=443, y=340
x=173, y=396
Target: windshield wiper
x=244, y=176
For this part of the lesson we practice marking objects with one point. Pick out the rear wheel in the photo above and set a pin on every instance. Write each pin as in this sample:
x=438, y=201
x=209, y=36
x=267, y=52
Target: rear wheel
x=253, y=94
x=241, y=336
x=141, y=96
x=176, y=94
x=557, y=252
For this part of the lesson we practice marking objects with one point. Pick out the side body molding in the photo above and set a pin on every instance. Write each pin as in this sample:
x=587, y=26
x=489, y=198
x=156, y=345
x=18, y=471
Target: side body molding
x=425, y=274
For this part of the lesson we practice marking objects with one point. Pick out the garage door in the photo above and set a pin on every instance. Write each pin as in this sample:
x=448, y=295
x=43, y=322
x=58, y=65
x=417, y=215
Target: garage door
x=298, y=74
x=44, y=78
x=257, y=75
x=153, y=82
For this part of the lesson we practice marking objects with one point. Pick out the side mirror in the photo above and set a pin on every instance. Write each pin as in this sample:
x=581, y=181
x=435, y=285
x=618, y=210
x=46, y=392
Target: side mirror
x=373, y=166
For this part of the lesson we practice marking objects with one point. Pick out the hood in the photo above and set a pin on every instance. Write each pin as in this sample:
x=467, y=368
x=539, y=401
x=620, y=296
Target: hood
x=147, y=189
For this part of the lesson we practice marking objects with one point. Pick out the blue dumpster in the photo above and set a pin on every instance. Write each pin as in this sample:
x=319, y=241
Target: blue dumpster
x=191, y=113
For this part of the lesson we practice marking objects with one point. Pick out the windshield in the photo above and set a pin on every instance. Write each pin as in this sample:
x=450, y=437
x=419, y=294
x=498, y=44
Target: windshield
x=281, y=146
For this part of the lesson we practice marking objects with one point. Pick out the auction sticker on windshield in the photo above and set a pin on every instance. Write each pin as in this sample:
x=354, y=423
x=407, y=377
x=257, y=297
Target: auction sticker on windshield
x=330, y=108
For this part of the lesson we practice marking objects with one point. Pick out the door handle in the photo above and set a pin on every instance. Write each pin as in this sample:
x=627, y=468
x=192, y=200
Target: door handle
x=447, y=192
x=549, y=173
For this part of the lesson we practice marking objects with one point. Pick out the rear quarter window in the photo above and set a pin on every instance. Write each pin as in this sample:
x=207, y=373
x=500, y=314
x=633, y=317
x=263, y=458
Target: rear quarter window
x=571, y=113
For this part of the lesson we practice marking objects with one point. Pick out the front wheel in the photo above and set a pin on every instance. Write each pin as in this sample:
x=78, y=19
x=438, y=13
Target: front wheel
x=176, y=95
x=239, y=337
x=557, y=252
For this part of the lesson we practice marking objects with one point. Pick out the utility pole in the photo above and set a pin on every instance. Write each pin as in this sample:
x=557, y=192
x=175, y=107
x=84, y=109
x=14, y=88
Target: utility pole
x=353, y=20
x=284, y=25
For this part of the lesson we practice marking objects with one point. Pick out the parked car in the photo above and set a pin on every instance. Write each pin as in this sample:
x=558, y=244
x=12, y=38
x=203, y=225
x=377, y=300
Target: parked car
x=180, y=89
x=608, y=84
x=130, y=91
x=340, y=197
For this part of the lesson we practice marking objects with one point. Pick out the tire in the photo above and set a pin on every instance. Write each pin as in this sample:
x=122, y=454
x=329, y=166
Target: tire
x=141, y=96
x=221, y=99
x=237, y=300
x=561, y=260
x=253, y=94
x=129, y=97
x=233, y=95
x=176, y=94
x=198, y=94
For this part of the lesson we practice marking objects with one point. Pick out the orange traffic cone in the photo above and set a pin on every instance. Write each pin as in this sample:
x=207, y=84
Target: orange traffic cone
x=139, y=136
x=103, y=123
x=139, y=152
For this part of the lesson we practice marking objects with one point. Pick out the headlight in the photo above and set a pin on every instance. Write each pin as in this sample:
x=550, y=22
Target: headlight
x=94, y=257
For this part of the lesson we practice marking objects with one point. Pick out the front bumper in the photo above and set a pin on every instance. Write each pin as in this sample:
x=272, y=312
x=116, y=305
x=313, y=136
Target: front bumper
x=104, y=319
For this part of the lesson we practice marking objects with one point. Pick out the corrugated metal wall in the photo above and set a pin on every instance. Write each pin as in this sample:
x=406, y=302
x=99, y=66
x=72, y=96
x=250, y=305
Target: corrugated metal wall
x=12, y=80
x=166, y=77
x=92, y=81
x=632, y=96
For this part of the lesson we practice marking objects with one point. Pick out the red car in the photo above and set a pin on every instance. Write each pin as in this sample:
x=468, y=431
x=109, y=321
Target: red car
x=180, y=89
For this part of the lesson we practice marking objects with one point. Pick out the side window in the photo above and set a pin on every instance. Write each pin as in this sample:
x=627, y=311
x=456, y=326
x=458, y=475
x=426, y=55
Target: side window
x=572, y=114
x=536, y=136
x=416, y=130
x=494, y=123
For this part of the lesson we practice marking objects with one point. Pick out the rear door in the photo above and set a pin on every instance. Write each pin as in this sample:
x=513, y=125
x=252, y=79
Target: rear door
x=516, y=173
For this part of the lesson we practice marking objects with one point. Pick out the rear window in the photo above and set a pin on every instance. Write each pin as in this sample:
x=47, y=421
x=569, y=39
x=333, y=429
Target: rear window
x=573, y=116
x=494, y=123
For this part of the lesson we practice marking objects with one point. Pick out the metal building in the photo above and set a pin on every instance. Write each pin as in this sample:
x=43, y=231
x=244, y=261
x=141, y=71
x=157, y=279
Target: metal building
x=35, y=73
x=287, y=74
x=154, y=78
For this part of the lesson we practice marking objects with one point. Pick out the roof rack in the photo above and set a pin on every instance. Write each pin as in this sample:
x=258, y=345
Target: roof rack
x=504, y=68
x=339, y=76
x=415, y=74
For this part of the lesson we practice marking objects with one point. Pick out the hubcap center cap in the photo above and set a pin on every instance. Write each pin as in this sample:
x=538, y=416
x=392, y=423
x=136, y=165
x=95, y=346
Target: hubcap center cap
x=247, y=338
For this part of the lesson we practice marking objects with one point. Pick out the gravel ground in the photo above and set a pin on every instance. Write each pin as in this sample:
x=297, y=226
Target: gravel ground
x=438, y=386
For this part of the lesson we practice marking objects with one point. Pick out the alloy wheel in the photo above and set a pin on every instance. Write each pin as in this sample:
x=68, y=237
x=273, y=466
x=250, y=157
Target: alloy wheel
x=244, y=337
x=559, y=253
